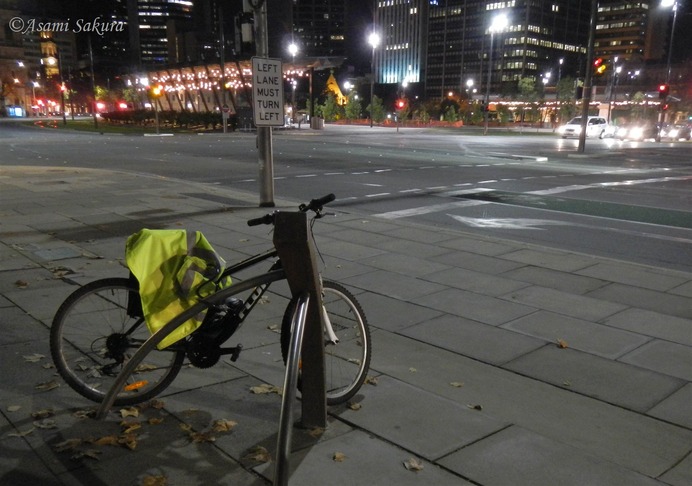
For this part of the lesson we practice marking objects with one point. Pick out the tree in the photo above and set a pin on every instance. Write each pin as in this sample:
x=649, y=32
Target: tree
x=528, y=94
x=376, y=109
x=451, y=114
x=331, y=110
x=353, y=107
x=565, y=97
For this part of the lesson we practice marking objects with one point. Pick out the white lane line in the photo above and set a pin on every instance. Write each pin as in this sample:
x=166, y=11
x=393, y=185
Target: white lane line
x=433, y=208
x=378, y=195
x=305, y=175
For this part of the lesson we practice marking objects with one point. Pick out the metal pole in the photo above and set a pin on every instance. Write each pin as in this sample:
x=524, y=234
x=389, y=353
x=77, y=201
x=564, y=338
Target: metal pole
x=264, y=134
x=93, y=84
x=588, y=76
x=372, y=84
x=487, y=86
x=222, y=60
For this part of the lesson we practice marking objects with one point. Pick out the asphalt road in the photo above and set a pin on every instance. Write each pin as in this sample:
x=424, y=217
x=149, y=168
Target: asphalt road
x=625, y=200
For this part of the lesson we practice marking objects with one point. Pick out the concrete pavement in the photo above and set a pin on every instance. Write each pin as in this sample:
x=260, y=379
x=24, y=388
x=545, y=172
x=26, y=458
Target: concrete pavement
x=496, y=363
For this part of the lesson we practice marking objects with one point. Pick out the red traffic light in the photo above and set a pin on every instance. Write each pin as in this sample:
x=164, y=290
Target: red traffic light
x=400, y=104
x=663, y=90
x=599, y=65
x=63, y=88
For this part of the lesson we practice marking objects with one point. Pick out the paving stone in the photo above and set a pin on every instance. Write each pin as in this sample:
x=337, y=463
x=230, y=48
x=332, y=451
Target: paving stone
x=677, y=408
x=477, y=262
x=479, y=246
x=469, y=338
x=427, y=425
x=396, y=262
x=402, y=287
x=664, y=303
x=628, y=386
x=664, y=357
x=578, y=334
x=472, y=281
x=474, y=306
x=393, y=314
x=632, y=440
x=681, y=474
x=654, y=324
x=519, y=456
x=555, y=279
x=564, y=303
x=567, y=262
x=684, y=290
x=638, y=276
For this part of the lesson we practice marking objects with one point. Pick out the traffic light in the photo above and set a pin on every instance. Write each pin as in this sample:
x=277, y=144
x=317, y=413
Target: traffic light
x=663, y=91
x=400, y=104
x=599, y=67
x=63, y=88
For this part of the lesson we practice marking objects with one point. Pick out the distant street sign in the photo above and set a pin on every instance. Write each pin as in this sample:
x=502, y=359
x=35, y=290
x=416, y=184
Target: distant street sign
x=225, y=108
x=267, y=92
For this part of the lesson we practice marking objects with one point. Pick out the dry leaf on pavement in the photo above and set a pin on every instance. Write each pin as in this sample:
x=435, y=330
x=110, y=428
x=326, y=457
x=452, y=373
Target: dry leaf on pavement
x=67, y=445
x=33, y=358
x=21, y=284
x=259, y=454
x=45, y=413
x=457, y=384
x=562, y=344
x=14, y=408
x=371, y=380
x=354, y=406
x=413, y=464
x=129, y=412
x=339, y=457
x=47, y=385
x=21, y=433
x=223, y=425
x=154, y=481
x=265, y=388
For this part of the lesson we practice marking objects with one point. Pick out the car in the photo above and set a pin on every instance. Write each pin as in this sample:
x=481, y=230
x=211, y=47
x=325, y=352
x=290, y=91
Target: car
x=676, y=132
x=596, y=126
x=638, y=131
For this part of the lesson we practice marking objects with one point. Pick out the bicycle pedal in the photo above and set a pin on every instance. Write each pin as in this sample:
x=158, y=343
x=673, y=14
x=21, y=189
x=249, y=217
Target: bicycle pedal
x=236, y=353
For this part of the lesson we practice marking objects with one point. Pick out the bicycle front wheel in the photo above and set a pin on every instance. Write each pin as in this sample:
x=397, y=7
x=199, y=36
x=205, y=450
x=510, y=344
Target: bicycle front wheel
x=347, y=361
x=93, y=334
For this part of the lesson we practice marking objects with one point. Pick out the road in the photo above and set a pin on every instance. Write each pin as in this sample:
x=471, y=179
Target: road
x=625, y=200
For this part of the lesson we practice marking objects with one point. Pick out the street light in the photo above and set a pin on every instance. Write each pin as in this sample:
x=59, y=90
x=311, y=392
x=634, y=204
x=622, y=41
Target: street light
x=293, y=50
x=674, y=5
x=499, y=23
x=374, y=41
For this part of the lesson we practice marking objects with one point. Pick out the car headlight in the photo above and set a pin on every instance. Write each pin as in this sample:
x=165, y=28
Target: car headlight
x=637, y=132
x=674, y=133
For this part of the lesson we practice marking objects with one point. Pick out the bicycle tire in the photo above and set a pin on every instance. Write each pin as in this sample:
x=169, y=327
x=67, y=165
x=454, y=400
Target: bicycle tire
x=92, y=335
x=347, y=362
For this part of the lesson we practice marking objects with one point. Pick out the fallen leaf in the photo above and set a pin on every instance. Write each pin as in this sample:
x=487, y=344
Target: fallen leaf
x=45, y=424
x=223, y=425
x=154, y=481
x=47, y=385
x=457, y=384
x=413, y=464
x=566, y=383
x=107, y=440
x=129, y=427
x=22, y=433
x=129, y=412
x=82, y=414
x=265, y=388
x=412, y=370
x=90, y=454
x=562, y=344
x=199, y=437
x=274, y=328
x=33, y=358
x=259, y=454
x=21, y=284
x=41, y=414
x=354, y=406
x=128, y=440
x=67, y=445
x=48, y=366
x=155, y=421
x=339, y=457
x=14, y=408
x=316, y=433
x=371, y=380
x=475, y=407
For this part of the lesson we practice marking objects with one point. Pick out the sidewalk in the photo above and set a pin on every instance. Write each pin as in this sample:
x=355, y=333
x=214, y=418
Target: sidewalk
x=496, y=363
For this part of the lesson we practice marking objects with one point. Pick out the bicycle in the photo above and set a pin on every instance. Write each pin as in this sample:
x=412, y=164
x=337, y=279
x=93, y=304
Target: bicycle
x=99, y=326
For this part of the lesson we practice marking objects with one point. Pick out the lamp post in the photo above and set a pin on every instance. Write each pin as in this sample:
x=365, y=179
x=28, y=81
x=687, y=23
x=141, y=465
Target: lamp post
x=674, y=5
x=374, y=41
x=499, y=22
x=293, y=50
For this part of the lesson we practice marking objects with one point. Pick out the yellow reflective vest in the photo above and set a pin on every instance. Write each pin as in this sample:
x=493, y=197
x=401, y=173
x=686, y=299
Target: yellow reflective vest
x=175, y=269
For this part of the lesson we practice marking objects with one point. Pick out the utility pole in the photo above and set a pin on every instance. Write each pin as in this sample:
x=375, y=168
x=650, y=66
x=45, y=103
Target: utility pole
x=264, y=134
x=588, y=76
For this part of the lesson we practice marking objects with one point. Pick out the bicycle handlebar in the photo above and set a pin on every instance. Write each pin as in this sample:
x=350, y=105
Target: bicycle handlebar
x=315, y=205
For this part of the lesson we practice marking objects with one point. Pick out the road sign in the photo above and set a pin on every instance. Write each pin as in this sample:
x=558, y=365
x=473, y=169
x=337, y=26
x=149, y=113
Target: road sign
x=267, y=92
x=225, y=109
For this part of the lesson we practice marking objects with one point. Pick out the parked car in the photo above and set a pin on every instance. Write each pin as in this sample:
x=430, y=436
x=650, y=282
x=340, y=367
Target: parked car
x=676, y=132
x=638, y=131
x=596, y=126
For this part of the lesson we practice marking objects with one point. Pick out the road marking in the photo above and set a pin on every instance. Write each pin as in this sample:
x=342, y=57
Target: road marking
x=379, y=195
x=434, y=208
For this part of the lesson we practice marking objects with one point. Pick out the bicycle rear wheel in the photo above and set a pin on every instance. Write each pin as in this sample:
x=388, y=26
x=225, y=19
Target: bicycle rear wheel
x=94, y=333
x=346, y=362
